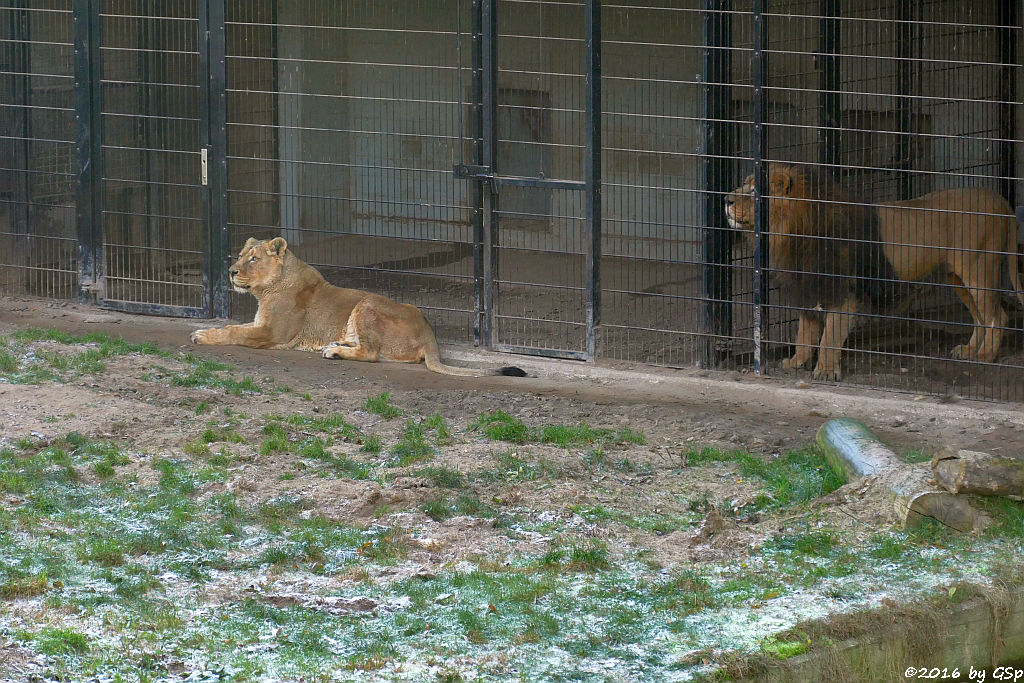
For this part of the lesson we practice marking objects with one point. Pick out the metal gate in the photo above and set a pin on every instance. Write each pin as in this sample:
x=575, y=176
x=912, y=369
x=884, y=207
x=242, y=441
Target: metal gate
x=540, y=179
x=144, y=123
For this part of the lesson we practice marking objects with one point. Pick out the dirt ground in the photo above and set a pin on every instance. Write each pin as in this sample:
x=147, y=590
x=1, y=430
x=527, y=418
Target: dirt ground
x=676, y=410
x=673, y=408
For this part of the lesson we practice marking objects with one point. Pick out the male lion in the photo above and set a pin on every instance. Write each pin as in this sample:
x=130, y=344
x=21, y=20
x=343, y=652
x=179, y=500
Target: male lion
x=298, y=309
x=835, y=255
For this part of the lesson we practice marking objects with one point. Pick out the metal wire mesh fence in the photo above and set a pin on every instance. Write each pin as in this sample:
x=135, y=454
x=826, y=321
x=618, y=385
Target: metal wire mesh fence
x=547, y=177
x=37, y=144
x=343, y=131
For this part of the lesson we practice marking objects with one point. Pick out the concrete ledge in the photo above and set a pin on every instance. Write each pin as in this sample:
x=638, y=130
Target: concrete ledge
x=980, y=633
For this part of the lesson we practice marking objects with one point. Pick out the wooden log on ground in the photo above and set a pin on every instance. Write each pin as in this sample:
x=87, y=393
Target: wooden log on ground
x=853, y=452
x=964, y=471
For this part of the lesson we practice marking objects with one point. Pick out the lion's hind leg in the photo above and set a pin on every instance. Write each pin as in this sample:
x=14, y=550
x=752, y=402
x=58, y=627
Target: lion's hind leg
x=989, y=316
x=977, y=340
x=808, y=334
x=354, y=346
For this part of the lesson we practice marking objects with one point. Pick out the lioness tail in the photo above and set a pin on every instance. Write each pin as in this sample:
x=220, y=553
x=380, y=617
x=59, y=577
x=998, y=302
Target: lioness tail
x=432, y=359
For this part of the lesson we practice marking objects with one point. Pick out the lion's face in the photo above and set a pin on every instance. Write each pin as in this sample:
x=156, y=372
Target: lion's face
x=739, y=204
x=259, y=264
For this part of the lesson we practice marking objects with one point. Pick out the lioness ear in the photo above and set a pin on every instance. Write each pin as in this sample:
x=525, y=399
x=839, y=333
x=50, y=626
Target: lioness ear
x=249, y=244
x=277, y=246
x=780, y=181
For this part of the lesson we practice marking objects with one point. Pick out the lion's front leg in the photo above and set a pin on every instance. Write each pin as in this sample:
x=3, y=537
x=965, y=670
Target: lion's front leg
x=808, y=333
x=234, y=335
x=837, y=329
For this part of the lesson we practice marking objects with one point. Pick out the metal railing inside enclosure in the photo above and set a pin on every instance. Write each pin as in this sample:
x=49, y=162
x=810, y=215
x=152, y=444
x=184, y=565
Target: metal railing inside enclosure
x=813, y=189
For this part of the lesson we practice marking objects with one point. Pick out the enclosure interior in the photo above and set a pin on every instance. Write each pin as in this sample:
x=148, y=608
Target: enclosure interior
x=344, y=122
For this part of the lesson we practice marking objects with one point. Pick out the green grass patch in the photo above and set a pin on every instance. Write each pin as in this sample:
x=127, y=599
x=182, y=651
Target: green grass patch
x=465, y=505
x=335, y=425
x=442, y=435
x=794, y=478
x=500, y=426
x=59, y=641
x=586, y=557
x=442, y=477
x=412, y=446
x=22, y=361
x=381, y=405
x=276, y=440
x=372, y=443
x=512, y=467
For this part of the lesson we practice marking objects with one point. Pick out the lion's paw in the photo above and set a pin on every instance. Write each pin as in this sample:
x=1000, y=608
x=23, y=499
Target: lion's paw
x=795, y=363
x=824, y=374
x=199, y=336
x=962, y=352
x=329, y=350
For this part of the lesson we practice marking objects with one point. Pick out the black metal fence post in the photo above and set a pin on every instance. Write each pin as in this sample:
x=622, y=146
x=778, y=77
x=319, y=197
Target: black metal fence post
x=477, y=127
x=907, y=66
x=717, y=178
x=216, y=118
x=759, y=76
x=592, y=238
x=829, y=84
x=1009, y=19
x=88, y=149
x=488, y=158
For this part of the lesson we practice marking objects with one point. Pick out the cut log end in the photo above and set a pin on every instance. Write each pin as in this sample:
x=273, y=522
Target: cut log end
x=964, y=471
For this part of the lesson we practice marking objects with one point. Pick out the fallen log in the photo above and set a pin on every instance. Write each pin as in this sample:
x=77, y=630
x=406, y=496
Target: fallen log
x=964, y=471
x=854, y=452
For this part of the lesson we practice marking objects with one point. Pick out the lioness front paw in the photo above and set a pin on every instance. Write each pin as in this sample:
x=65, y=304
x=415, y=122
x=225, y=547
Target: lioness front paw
x=200, y=336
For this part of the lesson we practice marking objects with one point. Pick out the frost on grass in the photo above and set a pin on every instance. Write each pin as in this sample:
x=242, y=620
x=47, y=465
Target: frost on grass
x=266, y=541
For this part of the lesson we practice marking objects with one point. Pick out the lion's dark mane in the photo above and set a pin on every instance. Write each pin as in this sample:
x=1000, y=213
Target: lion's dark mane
x=833, y=251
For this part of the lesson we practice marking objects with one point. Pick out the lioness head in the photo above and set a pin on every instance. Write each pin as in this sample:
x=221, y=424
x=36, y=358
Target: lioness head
x=739, y=204
x=260, y=263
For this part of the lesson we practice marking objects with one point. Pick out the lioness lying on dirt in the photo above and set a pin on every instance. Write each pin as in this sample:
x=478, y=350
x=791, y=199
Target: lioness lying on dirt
x=298, y=309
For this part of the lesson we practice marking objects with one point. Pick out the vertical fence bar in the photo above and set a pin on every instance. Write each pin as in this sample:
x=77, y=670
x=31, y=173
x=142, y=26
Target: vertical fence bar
x=907, y=66
x=759, y=77
x=21, y=130
x=829, y=84
x=488, y=157
x=1009, y=18
x=592, y=238
x=88, y=147
x=481, y=309
x=215, y=270
x=716, y=171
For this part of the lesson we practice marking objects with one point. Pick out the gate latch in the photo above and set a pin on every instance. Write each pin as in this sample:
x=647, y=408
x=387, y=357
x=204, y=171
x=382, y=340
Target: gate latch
x=472, y=172
x=204, y=166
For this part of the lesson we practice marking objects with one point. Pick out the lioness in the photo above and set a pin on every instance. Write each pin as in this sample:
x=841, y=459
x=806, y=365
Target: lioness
x=298, y=309
x=838, y=254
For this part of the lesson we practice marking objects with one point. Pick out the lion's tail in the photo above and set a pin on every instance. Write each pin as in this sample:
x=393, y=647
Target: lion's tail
x=432, y=359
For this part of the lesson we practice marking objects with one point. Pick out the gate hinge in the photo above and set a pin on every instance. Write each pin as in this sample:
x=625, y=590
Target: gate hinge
x=94, y=287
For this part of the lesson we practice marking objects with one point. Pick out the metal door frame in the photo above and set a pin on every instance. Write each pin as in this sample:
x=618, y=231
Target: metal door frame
x=211, y=173
x=490, y=179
